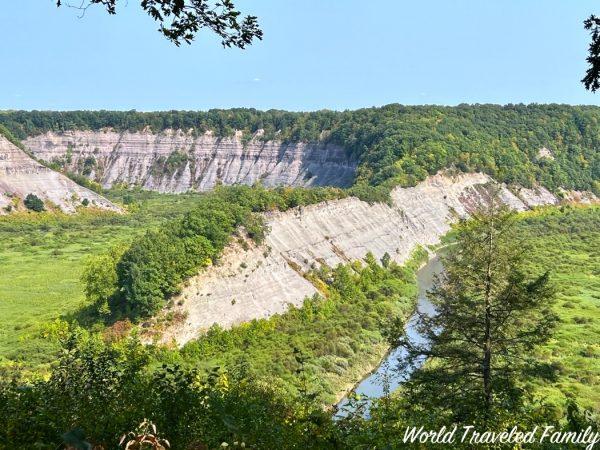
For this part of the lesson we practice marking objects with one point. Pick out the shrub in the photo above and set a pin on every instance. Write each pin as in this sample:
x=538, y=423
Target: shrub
x=156, y=264
x=34, y=203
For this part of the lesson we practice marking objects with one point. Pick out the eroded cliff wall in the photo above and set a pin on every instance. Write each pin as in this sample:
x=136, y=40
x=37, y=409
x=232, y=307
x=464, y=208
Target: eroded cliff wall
x=176, y=161
x=21, y=175
x=264, y=280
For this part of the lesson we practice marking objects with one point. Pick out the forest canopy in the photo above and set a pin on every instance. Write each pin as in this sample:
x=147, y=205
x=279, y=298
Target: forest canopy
x=395, y=144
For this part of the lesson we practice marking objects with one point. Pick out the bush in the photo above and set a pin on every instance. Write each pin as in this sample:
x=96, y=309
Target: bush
x=34, y=203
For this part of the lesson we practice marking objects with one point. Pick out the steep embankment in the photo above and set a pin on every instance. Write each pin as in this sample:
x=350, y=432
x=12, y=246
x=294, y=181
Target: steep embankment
x=21, y=175
x=175, y=161
x=264, y=280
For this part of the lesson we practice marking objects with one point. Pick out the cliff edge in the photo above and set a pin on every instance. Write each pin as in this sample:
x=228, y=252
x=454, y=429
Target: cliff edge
x=21, y=175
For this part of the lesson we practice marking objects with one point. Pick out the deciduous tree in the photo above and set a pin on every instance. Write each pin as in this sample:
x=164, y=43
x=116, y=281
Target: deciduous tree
x=181, y=20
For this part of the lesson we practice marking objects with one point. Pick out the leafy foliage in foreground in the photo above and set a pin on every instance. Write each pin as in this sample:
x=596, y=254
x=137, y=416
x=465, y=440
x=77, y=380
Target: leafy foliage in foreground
x=394, y=144
x=181, y=20
x=107, y=389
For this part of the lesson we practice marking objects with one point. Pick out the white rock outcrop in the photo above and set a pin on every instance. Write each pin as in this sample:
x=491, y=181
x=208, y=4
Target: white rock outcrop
x=262, y=281
x=545, y=153
x=21, y=175
x=199, y=161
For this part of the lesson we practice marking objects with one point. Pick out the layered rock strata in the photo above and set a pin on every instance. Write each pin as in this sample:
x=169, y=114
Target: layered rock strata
x=177, y=161
x=265, y=280
x=21, y=175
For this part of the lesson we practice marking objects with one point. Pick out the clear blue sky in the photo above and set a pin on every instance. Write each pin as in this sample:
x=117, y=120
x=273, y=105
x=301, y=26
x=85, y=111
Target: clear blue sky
x=316, y=54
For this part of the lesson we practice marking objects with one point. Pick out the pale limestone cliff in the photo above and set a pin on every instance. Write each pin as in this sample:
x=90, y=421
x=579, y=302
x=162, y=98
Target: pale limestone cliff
x=20, y=175
x=264, y=280
x=177, y=161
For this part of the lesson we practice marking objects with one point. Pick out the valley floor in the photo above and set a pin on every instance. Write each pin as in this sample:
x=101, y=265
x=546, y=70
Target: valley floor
x=42, y=256
x=41, y=259
x=566, y=242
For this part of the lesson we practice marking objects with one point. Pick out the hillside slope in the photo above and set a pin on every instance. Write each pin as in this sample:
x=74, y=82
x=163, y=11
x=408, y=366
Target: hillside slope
x=264, y=280
x=20, y=175
x=175, y=161
x=394, y=145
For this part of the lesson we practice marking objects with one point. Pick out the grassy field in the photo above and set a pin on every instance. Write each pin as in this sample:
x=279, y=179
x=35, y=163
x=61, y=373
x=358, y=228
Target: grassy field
x=41, y=258
x=567, y=244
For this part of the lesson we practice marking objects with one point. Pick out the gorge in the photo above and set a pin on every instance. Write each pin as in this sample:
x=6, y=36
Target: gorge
x=253, y=282
x=178, y=161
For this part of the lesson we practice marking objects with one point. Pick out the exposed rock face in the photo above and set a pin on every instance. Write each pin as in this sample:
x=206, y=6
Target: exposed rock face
x=545, y=153
x=20, y=175
x=583, y=197
x=175, y=161
x=264, y=280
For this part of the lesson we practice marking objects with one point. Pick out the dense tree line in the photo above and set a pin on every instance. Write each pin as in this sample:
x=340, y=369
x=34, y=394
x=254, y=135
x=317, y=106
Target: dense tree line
x=395, y=144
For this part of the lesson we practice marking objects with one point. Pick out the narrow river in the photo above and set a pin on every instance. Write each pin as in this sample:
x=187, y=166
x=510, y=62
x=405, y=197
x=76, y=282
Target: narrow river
x=386, y=377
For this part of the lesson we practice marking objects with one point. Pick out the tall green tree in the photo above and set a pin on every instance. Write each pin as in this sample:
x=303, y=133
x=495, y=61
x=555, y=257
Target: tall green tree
x=99, y=278
x=490, y=315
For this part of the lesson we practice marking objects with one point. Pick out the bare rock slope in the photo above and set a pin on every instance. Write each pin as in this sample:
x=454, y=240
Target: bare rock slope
x=177, y=161
x=20, y=175
x=264, y=280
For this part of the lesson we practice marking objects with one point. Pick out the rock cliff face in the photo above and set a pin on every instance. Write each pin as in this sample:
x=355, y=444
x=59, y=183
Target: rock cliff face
x=175, y=161
x=265, y=280
x=20, y=175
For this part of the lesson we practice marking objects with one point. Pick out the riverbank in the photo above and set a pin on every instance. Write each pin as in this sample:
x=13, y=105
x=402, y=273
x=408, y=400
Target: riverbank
x=338, y=334
x=371, y=385
x=382, y=351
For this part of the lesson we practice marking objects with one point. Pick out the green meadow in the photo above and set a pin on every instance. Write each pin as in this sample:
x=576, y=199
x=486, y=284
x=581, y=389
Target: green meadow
x=41, y=259
x=566, y=242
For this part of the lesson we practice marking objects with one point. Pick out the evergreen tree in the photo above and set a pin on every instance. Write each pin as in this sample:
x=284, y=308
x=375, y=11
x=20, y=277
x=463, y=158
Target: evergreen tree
x=489, y=318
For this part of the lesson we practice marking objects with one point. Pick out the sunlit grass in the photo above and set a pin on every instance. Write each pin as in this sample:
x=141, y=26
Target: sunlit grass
x=568, y=245
x=41, y=258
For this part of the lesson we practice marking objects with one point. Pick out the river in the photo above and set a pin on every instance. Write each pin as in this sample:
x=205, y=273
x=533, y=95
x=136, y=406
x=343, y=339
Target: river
x=386, y=377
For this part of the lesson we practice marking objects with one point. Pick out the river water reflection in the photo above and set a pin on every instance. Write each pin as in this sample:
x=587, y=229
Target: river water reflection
x=386, y=377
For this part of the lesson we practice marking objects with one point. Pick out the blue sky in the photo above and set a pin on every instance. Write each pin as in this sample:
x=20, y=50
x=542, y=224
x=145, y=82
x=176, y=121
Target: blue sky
x=316, y=54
